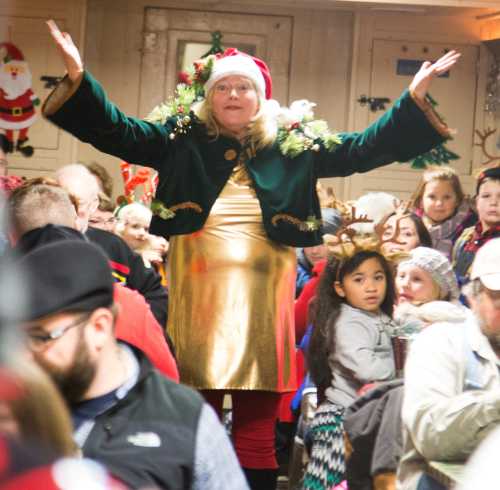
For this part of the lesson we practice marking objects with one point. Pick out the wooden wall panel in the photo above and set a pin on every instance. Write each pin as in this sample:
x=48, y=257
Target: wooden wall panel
x=319, y=68
x=330, y=58
x=23, y=22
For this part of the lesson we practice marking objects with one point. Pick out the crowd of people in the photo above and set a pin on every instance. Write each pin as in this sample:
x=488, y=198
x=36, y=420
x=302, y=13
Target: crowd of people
x=358, y=342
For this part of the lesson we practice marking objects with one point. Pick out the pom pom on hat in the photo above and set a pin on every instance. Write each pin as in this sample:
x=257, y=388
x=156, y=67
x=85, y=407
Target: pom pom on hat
x=234, y=62
x=438, y=266
x=10, y=52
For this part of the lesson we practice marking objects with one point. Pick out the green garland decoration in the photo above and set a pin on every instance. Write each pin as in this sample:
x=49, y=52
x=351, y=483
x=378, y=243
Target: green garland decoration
x=188, y=91
x=297, y=130
x=301, y=132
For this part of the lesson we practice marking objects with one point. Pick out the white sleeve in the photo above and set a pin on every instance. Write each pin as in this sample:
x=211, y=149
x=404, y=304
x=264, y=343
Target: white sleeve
x=444, y=421
x=216, y=466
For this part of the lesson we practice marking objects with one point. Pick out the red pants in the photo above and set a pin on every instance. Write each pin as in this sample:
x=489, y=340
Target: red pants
x=254, y=419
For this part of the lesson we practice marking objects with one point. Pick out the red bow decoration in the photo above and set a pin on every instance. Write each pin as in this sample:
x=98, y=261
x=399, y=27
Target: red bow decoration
x=141, y=177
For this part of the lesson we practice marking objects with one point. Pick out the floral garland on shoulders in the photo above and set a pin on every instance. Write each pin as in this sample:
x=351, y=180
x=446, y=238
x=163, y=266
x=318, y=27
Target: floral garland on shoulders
x=297, y=130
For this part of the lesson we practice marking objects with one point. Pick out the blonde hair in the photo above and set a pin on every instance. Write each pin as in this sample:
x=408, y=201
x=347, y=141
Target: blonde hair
x=443, y=174
x=262, y=130
x=40, y=411
x=41, y=201
x=131, y=211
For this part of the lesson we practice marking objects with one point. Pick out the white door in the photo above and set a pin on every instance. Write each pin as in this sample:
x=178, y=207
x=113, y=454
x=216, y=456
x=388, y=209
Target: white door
x=455, y=94
x=174, y=37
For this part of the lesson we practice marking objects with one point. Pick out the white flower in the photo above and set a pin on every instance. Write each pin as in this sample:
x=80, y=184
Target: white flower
x=286, y=118
x=303, y=109
x=272, y=108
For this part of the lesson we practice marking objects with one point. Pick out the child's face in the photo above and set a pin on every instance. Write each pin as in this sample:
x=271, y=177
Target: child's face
x=439, y=200
x=365, y=287
x=408, y=235
x=488, y=204
x=414, y=285
x=315, y=254
x=135, y=232
x=103, y=220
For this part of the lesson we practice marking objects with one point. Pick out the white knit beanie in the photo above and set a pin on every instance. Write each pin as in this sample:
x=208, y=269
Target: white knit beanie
x=438, y=266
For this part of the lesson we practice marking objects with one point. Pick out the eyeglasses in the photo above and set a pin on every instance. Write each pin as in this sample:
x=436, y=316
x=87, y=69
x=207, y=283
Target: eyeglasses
x=102, y=221
x=37, y=342
x=240, y=88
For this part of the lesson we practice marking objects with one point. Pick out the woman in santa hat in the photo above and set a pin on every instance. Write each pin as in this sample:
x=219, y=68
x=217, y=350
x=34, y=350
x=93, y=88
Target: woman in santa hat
x=237, y=193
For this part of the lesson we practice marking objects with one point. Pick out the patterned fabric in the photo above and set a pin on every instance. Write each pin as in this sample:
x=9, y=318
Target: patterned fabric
x=445, y=234
x=215, y=463
x=466, y=247
x=326, y=466
x=479, y=238
x=462, y=260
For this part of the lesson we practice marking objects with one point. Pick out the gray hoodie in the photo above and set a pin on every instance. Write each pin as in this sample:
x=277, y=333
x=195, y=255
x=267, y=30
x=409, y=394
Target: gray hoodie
x=362, y=353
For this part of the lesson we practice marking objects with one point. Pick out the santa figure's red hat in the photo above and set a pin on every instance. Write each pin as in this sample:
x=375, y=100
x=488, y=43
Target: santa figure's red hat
x=9, y=52
x=234, y=62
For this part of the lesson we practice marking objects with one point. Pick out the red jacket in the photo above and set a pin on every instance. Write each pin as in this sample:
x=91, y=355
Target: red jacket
x=302, y=302
x=136, y=325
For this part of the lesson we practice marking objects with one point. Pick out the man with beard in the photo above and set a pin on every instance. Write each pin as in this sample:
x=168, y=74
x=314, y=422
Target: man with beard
x=148, y=430
x=17, y=100
x=452, y=380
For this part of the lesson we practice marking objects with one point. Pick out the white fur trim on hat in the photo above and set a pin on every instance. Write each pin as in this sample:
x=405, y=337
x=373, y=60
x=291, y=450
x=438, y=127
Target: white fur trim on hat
x=237, y=65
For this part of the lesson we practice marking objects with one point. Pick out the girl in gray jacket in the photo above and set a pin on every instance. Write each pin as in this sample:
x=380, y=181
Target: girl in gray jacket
x=350, y=347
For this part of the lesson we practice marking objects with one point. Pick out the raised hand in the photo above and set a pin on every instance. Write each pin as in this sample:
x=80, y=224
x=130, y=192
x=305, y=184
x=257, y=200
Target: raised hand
x=428, y=71
x=69, y=52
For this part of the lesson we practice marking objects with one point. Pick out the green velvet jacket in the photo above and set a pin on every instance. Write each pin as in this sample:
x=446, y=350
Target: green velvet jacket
x=193, y=167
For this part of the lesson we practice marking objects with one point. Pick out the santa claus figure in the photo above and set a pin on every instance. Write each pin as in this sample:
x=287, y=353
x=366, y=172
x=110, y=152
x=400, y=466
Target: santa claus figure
x=17, y=100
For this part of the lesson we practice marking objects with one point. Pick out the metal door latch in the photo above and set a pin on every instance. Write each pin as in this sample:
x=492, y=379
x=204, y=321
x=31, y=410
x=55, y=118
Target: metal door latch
x=376, y=103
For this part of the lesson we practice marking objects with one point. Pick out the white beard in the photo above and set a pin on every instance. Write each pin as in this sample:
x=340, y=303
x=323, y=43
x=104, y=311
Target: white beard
x=15, y=87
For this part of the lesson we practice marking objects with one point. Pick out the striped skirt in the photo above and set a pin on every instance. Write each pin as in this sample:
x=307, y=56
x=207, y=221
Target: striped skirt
x=326, y=467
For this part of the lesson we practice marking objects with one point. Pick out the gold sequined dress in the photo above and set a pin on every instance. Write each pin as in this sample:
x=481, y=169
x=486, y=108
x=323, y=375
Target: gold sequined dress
x=231, y=298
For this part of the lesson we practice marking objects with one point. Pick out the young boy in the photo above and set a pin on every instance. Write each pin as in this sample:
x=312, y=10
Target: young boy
x=487, y=227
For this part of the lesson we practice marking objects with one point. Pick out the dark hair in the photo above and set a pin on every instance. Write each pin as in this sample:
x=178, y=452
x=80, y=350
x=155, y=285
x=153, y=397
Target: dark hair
x=327, y=311
x=105, y=180
x=424, y=237
x=488, y=175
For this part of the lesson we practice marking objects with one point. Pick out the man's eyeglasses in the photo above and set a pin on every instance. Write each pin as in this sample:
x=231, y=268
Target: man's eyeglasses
x=102, y=221
x=37, y=342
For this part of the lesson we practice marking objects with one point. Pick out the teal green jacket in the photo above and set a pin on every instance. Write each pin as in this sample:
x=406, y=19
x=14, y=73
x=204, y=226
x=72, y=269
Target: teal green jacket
x=193, y=167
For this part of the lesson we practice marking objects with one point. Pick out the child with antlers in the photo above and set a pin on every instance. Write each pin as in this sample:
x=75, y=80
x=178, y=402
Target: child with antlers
x=441, y=203
x=350, y=344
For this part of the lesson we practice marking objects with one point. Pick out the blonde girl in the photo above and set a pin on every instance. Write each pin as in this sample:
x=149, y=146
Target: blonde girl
x=440, y=201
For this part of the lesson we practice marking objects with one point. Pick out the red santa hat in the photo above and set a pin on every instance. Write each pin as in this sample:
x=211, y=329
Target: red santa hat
x=234, y=62
x=10, y=52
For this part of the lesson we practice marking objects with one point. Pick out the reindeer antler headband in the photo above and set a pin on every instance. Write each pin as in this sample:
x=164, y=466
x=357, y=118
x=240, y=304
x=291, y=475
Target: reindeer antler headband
x=347, y=242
